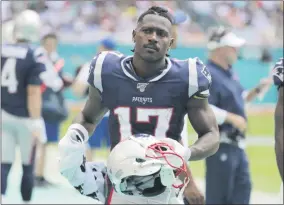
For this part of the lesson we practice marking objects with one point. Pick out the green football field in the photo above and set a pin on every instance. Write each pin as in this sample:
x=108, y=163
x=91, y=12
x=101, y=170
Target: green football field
x=263, y=167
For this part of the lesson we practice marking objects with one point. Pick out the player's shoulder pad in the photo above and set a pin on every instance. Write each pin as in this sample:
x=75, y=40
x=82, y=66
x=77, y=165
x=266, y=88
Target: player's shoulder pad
x=99, y=62
x=278, y=71
x=104, y=56
x=40, y=55
x=199, y=79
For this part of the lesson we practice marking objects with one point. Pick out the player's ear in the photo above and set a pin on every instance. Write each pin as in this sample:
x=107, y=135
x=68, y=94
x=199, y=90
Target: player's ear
x=133, y=36
x=172, y=44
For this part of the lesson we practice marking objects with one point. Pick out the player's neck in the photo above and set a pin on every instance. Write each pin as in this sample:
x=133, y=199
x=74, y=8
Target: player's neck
x=146, y=69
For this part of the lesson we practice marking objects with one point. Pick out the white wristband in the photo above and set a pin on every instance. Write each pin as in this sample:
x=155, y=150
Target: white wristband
x=81, y=130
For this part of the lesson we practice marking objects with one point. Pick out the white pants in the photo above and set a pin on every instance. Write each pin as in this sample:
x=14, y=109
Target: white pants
x=16, y=132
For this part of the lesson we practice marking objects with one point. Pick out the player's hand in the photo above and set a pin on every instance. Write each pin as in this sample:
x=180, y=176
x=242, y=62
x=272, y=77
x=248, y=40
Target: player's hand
x=265, y=83
x=178, y=148
x=37, y=128
x=193, y=195
x=71, y=155
x=237, y=121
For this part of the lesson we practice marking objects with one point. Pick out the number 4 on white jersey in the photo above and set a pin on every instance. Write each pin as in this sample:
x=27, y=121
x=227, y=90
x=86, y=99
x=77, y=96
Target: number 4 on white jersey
x=8, y=77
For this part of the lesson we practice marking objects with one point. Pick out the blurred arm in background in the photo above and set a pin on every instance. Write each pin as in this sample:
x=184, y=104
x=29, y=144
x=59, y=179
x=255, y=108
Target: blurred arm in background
x=259, y=89
x=224, y=116
x=80, y=84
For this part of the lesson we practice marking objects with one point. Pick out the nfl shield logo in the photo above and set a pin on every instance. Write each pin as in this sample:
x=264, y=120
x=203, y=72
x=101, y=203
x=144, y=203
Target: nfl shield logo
x=142, y=86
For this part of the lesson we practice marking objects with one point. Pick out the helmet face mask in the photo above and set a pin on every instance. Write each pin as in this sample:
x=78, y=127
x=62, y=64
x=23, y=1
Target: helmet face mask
x=144, y=166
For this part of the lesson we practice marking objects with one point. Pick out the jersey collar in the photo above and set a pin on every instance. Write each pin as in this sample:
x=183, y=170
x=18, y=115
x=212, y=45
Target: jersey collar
x=128, y=70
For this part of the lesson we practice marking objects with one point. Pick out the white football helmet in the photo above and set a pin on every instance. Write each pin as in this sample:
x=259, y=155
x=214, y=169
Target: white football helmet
x=145, y=166
x=27, y=26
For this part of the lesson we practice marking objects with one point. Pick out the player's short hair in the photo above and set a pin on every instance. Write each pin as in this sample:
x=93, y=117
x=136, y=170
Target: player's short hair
x=49, y=35
x=156, y=10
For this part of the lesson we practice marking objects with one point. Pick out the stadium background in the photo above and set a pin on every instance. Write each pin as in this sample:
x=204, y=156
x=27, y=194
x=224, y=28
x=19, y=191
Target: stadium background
x=80, y=25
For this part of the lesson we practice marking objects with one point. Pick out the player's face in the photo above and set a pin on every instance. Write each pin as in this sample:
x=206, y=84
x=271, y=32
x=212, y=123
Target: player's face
x=50, y=44
x=231, y=54
x=153, y=38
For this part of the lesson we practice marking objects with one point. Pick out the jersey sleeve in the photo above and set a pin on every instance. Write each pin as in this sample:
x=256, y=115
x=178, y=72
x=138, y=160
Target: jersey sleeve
x=199, y=79
x=278, y=71
x=95, y=71
x=39, y=59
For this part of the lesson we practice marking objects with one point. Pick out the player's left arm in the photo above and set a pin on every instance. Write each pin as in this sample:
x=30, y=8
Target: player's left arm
x=278, y=72
x=278, y=117
x=34, y=95
x=201, y=115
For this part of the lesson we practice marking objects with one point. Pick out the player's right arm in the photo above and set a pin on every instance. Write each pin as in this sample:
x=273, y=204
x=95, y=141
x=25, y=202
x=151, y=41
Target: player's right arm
x=72, y=145
x=278, y=115
x=34, y=95
x=94, y=110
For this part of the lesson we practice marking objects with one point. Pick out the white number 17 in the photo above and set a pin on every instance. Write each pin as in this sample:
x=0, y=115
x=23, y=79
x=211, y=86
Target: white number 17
x=143, y=115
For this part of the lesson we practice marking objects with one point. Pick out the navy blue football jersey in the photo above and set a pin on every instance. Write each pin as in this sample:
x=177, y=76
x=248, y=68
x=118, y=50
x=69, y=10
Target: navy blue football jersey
x=278, y=72
x=153, y=106
x=21, y=66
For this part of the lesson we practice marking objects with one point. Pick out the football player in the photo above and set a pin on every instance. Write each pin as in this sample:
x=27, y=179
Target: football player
x=278, y=81
x=278, y=117
x=145, y=93
x=22, y=124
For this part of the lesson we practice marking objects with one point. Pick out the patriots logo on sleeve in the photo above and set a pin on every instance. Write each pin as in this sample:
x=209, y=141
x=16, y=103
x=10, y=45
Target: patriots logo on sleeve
x=206, y=73
x=278, y=71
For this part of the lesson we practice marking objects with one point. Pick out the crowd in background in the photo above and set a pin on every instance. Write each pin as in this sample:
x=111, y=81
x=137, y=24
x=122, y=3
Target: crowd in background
x=260, y=22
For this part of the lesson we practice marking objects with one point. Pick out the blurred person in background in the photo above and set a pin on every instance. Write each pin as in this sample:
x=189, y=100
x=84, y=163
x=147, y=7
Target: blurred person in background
x=21, y=100
x=229, y=167
x=54, y=109
x=100, y=136
x=278, y=72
